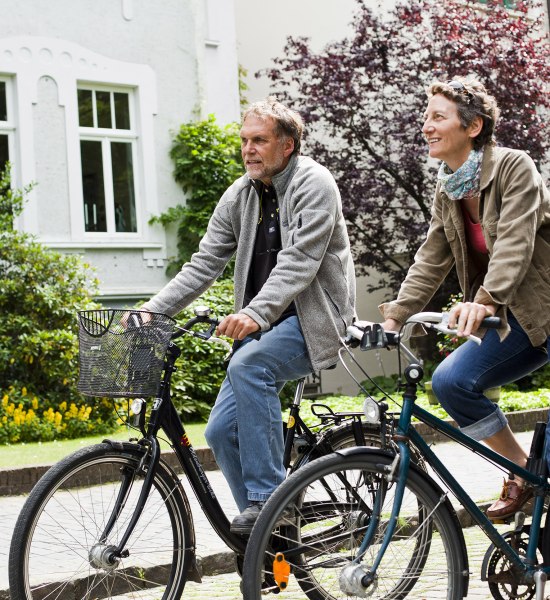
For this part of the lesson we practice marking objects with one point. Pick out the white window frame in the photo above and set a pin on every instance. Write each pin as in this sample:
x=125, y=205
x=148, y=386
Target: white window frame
x=106, y=136
x=9, y=127
x=25, y=59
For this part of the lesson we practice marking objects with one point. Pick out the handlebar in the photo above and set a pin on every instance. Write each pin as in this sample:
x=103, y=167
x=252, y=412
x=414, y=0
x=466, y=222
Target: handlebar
x=371, y=335
x=203, y=316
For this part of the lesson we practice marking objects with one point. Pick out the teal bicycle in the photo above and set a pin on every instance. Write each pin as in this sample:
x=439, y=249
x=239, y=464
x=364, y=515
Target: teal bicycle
x=369, y=523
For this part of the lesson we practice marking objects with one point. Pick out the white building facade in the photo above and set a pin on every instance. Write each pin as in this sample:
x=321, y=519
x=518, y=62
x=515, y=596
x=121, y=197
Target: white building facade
x=91, y=95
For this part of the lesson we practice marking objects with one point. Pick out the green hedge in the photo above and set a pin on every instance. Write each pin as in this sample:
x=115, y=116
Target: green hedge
x=40, y=292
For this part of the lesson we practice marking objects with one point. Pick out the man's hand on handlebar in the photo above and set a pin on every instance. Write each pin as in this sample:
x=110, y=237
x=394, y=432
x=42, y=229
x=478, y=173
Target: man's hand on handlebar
x=467, y=317
x=237, y=326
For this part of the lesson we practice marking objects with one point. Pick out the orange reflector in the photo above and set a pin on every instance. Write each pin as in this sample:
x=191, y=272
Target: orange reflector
x=281, y=570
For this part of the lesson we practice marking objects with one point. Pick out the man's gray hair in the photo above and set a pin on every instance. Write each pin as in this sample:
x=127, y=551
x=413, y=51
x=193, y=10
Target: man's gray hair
x=288, y=122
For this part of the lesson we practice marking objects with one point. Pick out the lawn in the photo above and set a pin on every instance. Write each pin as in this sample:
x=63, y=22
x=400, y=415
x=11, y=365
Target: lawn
x=45, y=453
x=50, y=452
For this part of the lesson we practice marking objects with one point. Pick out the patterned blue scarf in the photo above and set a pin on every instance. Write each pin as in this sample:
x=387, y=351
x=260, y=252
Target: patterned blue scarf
x=464, y=182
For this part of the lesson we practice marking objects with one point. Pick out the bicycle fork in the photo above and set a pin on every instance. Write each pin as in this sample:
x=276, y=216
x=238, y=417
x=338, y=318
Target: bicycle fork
x=107, y=557
x=356, y=578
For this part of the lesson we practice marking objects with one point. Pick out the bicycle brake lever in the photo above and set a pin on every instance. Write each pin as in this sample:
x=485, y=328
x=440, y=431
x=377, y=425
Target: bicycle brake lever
x=442, y=327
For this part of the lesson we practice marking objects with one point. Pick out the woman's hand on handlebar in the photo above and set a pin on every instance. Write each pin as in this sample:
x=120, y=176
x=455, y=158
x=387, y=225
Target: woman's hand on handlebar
x=468, y=316
x=237, y=326
x=391, y=325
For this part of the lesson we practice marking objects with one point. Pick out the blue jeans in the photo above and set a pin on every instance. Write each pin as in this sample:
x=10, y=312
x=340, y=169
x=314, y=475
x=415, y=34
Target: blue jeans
x=245, y=428
x=459, y=381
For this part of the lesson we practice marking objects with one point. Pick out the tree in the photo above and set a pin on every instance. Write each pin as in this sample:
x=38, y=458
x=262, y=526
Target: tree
x=363, y=99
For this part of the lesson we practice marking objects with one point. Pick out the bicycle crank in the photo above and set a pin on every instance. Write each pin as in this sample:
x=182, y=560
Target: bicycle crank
x=505, y=581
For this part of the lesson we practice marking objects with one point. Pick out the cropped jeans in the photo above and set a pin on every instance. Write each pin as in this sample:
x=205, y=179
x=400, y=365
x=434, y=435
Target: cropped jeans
x=245, y=428
x=460, y=380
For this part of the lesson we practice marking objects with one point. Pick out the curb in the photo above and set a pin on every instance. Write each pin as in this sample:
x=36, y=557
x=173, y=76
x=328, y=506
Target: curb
x=20, y=480
x=15, y=481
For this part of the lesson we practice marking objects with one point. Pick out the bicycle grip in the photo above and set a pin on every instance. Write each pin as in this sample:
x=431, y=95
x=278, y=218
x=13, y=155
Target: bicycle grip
x=491, y=322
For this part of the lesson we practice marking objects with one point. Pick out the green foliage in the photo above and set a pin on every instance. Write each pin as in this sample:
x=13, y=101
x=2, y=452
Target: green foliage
x=40, y=291
x=207, y=161
x=510, y=401
x=201, y=369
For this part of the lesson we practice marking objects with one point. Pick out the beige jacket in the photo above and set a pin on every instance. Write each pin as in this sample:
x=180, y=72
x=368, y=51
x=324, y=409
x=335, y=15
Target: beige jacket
x=515, y=218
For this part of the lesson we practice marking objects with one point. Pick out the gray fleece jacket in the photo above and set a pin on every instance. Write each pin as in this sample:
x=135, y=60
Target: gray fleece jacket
x=314, y=267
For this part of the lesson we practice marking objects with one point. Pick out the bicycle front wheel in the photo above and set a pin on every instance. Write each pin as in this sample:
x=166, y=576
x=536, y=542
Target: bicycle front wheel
x=59, y=549
x=334, y=499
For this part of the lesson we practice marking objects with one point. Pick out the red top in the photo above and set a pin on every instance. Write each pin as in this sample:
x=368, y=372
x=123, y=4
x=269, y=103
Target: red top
x=474, y=234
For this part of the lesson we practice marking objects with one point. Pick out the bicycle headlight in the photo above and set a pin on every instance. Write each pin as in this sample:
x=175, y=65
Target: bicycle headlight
x=371, y=410
x=136, y=405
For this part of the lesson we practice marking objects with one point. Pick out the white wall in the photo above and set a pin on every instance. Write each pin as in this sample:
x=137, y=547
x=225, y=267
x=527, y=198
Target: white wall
x=263, y=27
x=163, y=51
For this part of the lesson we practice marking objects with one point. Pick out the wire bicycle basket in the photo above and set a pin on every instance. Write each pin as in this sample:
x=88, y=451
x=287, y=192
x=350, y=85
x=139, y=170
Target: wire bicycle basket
x=121, y=353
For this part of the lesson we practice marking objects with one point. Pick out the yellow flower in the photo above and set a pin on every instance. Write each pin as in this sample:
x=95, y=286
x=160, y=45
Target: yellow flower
x=23, y=391
x=35, y=403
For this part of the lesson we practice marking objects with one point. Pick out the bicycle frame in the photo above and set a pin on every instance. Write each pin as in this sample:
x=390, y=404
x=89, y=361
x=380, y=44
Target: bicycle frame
x=406, y=433
x=164, y=416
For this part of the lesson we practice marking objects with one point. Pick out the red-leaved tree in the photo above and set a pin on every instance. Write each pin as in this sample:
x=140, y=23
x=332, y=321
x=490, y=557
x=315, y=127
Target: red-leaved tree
x=363, y=98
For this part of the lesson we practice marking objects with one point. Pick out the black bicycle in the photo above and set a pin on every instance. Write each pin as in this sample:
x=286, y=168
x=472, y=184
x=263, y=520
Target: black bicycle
x=114, y=518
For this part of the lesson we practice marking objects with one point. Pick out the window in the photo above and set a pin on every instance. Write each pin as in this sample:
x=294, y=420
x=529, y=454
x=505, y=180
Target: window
x=6, y=127
x=107, y=149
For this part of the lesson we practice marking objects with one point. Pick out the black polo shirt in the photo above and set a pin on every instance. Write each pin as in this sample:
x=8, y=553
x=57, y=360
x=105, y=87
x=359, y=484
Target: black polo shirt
x=266, y=246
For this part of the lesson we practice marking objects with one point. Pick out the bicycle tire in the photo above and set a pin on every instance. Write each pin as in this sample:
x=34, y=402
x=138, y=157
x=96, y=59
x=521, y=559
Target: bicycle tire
x=66, y=512
x=317, y=549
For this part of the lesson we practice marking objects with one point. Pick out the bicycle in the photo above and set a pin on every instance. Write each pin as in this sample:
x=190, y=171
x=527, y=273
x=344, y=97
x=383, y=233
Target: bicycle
x=387, y=529
x=114, y=518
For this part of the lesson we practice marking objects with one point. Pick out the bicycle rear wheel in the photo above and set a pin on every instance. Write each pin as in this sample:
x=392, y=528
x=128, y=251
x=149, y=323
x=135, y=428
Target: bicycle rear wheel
x=334, y=498
x=57, y=551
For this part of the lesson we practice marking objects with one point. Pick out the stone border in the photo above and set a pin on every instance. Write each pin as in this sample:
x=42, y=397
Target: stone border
x=20, y=480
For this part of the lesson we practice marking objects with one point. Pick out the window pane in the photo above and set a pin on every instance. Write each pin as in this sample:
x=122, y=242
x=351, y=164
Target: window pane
x=92, y=186
x=103, y=105
x=85, y=108
x=122, y=111
x=4, y=152
x=3, y=102
x=123, y=186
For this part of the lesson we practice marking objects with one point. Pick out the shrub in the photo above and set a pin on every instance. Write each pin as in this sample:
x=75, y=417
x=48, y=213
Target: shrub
x=197, y=381
x=40, y=291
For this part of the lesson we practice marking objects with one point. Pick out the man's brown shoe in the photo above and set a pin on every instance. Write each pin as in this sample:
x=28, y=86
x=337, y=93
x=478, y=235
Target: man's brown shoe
x=512, y=498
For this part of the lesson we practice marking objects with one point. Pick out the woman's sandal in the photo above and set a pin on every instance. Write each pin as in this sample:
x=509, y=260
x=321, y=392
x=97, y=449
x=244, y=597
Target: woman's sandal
x=512, y=498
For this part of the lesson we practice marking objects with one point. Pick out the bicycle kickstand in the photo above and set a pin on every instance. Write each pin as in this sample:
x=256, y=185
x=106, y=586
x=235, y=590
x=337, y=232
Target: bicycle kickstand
x=540, y=582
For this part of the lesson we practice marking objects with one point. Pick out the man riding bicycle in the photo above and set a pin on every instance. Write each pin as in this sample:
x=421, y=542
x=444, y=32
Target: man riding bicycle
x=294, y=290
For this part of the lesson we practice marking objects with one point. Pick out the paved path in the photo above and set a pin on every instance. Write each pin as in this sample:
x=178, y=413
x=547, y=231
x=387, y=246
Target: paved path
x=480, y=479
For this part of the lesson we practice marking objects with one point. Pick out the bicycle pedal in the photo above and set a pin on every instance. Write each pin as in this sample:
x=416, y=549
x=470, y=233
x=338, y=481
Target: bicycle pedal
x=519, y=521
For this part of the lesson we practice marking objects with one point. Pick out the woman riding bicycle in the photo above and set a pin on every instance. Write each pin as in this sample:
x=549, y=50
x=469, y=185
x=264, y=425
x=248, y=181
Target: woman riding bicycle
x=491, y=219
